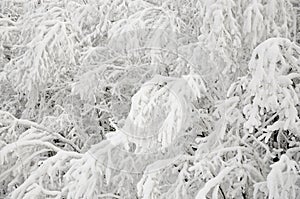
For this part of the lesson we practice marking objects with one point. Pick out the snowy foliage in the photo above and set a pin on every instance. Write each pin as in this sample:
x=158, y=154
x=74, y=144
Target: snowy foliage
x=149, y=99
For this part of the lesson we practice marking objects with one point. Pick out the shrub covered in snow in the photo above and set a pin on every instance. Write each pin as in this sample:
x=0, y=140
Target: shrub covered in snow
x=149, y=99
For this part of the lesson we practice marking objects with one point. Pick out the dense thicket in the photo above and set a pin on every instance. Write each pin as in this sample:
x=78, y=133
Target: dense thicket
x=149, y=99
